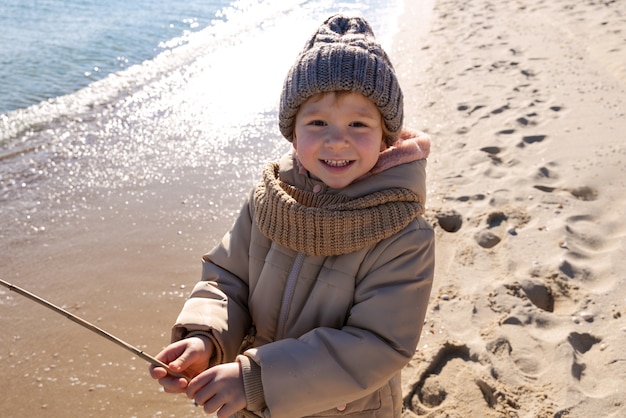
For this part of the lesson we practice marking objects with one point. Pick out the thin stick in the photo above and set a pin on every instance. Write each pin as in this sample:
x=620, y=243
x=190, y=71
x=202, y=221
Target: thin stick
x=92, y=327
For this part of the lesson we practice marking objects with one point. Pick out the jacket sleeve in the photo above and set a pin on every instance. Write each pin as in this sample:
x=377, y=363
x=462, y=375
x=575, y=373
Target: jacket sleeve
x=218, y=304
x=328, y=367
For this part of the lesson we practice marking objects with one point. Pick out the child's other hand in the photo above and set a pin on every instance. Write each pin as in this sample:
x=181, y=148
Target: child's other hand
x=189, y=357
x=219, y=388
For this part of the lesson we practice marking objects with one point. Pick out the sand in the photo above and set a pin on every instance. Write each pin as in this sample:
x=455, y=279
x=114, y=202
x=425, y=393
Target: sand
x=524, y=101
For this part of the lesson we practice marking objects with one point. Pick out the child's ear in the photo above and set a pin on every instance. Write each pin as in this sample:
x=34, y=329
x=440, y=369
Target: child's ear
x=294, y=142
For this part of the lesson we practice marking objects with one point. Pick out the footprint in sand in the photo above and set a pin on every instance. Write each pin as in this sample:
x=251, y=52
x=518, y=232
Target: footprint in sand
x=500, y=109
x=492, y=152
x=589, y=244
x=488, y=238
x=498, y=223
x=469, y=110
x=546, y=290
x=531, y=139
x=519, y=355
x=506, y=132
x=449, y=220
x=547, y=172
x=456, y=380
x=584, y=193
x=464, y=107
x=581, y=343
x=582, y=238
x=526, y=120
x=539, y=294
x=429, y=391
x=534, y=291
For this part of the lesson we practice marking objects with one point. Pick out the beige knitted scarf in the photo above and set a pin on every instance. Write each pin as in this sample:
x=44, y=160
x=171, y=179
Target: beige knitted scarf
x=329, y=224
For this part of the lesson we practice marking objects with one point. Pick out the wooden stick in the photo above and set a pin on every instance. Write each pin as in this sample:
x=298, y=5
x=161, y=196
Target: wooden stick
x=92, y=327
x=102, y=333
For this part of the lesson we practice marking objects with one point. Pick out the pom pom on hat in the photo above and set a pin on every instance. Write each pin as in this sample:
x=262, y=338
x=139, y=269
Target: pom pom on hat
x=343, y=55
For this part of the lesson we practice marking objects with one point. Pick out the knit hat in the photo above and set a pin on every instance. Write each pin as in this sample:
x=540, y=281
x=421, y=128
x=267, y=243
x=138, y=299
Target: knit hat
x=343, y=54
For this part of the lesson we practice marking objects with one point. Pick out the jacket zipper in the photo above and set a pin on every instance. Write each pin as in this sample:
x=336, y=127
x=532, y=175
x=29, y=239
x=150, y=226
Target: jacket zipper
x=290, y=288
x=248, y=340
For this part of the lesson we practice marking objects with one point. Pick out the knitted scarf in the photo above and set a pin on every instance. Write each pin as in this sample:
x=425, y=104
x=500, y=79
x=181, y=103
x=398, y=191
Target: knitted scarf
x=330, y=224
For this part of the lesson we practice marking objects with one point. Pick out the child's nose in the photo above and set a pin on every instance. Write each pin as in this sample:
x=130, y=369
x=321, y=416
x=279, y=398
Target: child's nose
x=337, y=138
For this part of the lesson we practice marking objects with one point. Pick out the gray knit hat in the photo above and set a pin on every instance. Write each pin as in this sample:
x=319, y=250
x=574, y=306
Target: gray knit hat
x=343, y=54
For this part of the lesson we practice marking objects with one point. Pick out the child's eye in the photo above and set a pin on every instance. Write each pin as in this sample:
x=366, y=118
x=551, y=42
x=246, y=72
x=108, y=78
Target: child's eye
x=317, y=123
x=358, y=125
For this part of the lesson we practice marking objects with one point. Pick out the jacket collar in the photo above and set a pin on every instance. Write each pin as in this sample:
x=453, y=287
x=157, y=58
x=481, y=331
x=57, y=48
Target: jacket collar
x=325, y=224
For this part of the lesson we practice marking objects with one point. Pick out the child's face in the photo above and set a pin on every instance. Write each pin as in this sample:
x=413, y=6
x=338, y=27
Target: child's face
x=338, y=137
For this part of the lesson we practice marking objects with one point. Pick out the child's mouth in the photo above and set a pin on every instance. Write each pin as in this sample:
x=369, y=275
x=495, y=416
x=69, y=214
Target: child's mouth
x=337, y=163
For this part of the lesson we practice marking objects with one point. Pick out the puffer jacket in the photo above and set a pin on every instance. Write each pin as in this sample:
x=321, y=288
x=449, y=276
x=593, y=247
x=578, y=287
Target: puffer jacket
x=330, y=333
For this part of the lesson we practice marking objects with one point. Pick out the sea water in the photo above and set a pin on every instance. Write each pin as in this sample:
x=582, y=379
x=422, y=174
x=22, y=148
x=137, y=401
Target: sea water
x=110, y=98
x=53, y=47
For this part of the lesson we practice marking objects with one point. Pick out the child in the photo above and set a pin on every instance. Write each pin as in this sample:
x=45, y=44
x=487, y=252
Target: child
x=314, y=301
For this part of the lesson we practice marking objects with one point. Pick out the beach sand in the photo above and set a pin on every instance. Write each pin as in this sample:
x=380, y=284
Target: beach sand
x=524, y=101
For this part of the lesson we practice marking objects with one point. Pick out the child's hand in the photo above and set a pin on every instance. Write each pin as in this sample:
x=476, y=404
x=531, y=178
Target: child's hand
x=189, y=357
x=219, y=389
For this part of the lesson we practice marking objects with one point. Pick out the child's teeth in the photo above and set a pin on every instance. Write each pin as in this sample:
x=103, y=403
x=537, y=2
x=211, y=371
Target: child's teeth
x=337, y=163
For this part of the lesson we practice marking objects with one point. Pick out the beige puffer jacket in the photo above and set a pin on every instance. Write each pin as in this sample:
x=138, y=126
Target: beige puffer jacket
x=332, y=332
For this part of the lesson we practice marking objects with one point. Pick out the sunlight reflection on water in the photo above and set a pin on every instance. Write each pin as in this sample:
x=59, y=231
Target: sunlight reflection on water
x=201, y=116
